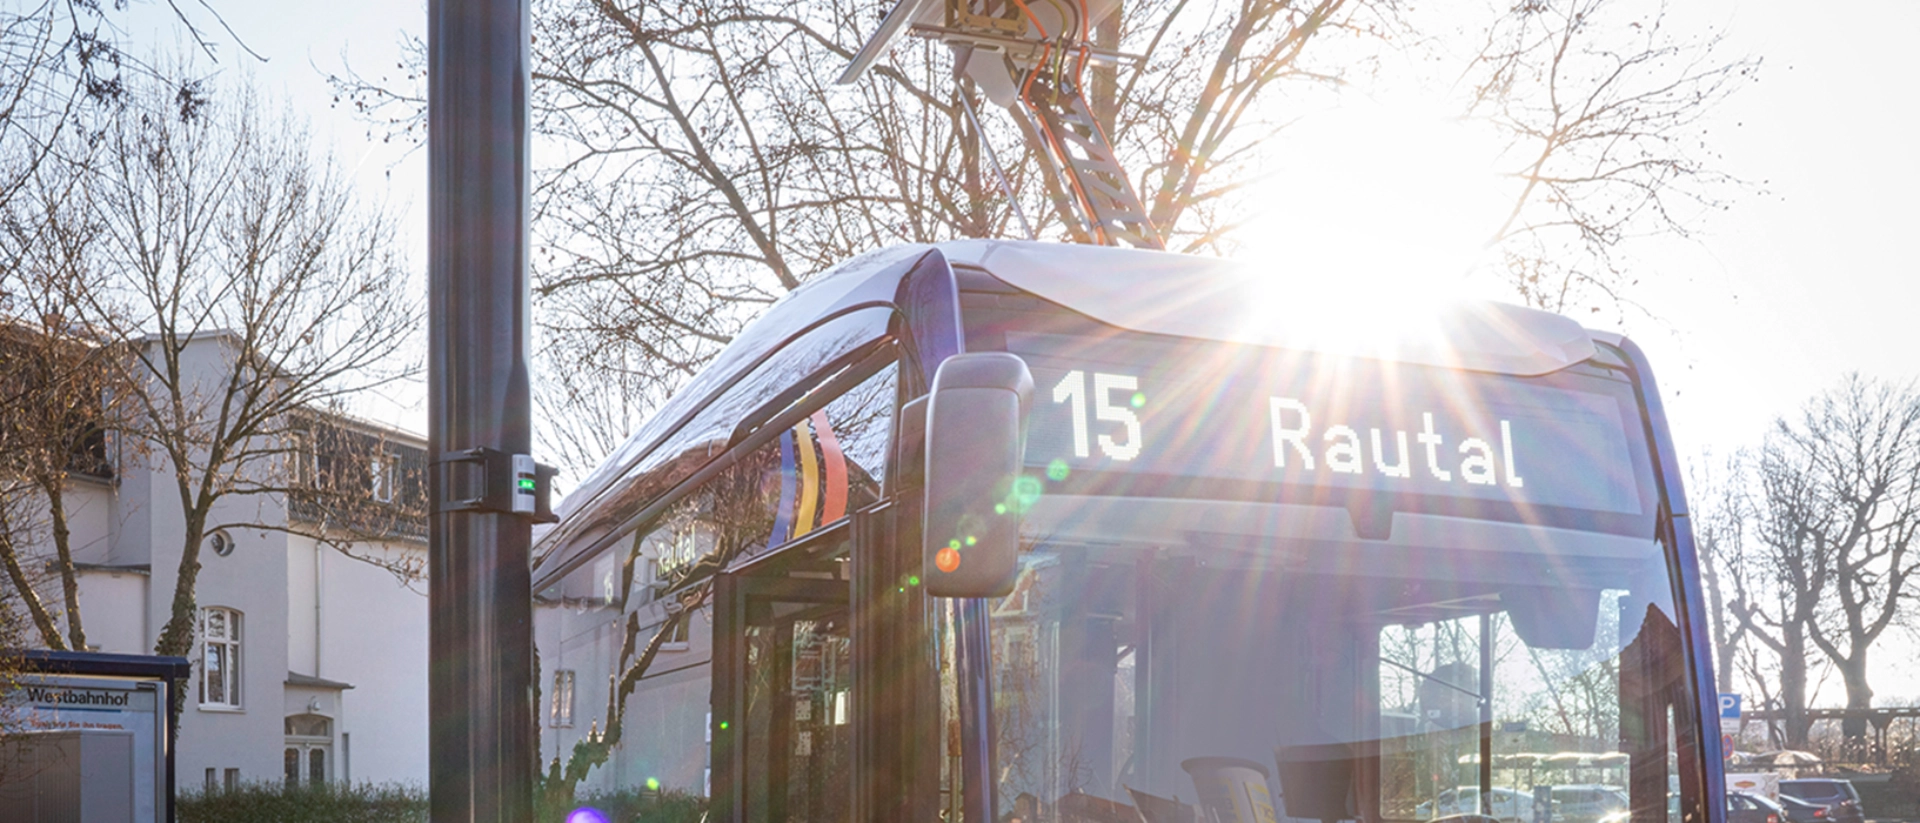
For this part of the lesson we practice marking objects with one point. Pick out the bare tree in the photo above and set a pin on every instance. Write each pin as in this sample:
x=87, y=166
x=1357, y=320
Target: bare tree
x=695, y=161
x=54, y=372
x=1780, y=612
x=1843, y=504
x=52, y=427
x=55, y=57
x=1721, y=509
x=60, y=62
x=1602, y=105
x=244, y=288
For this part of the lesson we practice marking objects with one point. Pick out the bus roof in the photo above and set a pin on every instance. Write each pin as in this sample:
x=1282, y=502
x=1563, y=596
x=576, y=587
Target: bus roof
x=1147, y=291
x=1238, y=302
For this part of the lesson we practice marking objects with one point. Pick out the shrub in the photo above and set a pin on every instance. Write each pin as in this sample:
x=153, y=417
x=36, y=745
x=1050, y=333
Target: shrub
x=278, y=803
x=636, y=806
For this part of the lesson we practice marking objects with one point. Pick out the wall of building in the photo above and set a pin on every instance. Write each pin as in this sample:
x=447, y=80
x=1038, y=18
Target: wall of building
x=372, y=634
x=114, y=610
x=90, y=520
x=253, y=580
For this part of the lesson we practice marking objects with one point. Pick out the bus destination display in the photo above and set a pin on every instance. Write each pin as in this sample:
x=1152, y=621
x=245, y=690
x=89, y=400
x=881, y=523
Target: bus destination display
x=1235, y=413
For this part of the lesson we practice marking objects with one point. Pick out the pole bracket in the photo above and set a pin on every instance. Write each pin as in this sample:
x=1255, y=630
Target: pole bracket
x=509, y=484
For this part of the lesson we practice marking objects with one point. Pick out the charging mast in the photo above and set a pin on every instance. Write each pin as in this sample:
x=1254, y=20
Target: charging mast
x=481, y=758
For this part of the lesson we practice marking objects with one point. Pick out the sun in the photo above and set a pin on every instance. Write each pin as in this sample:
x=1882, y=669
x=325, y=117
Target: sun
x=1374, y=206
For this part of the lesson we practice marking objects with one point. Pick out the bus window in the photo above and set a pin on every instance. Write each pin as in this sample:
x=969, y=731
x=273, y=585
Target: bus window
x=635, y=478
x=600, y=619
x=1130, y=674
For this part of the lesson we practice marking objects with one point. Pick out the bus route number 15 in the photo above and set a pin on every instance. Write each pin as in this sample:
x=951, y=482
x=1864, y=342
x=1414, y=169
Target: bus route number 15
x=1072, y=390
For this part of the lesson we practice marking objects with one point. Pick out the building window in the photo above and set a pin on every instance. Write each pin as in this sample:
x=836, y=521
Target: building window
x=306, y=762
x=220, y=662
x=233, y=780
x=213, y=781
x=303, y=467
x=562, y=716
x=676, y=640
x=385, y=471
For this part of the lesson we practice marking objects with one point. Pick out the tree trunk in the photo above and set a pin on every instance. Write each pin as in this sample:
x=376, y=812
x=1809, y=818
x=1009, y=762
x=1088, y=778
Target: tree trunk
x=1853, y=672
x=1723, y=647
x=63, y=548
x=1793, y=684
x=49, y=633
x=177, y=636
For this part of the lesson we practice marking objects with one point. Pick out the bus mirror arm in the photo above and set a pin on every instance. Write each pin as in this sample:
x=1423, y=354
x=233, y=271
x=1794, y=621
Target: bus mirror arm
x=976, y=426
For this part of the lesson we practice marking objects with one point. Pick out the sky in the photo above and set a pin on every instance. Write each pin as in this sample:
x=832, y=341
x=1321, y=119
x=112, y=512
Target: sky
x=1811, y=273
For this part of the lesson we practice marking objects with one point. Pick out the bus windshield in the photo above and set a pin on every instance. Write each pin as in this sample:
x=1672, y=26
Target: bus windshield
x=1287, y=586
x=1363, y=682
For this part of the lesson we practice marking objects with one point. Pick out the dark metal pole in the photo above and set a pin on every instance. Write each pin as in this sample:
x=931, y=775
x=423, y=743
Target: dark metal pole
x=1486, y=714
x=976, y=710
x=480, y=758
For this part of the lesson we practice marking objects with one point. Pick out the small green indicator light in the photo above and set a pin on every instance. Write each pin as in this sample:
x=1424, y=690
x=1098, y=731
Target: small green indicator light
x=1139, y=399
x=913, y=580
x=723, y=725
x=953, y=544
x=971, y=540
x=653, y=784
x=527, y=484
x=999, y=508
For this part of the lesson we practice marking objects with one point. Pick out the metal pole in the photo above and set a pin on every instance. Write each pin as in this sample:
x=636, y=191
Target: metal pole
x=1486, y=714
x=481, y=760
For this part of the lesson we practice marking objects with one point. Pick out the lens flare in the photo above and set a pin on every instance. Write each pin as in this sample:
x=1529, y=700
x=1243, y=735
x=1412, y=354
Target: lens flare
x=1377, y=211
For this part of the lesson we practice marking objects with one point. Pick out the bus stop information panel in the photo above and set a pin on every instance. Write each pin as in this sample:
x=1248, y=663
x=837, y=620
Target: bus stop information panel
x=86, y=738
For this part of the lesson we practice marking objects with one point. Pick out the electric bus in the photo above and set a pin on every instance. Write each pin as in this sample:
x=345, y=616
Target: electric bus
x=995, y=530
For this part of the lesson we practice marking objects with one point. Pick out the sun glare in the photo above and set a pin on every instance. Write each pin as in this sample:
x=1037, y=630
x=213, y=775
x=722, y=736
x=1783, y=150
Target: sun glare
x=1374, y=209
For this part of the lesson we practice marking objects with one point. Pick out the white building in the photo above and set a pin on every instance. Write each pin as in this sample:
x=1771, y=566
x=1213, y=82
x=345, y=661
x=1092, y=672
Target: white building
x=311, y=662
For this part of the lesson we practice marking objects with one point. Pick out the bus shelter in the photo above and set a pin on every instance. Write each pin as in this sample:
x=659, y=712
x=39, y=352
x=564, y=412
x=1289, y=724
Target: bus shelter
x=86, y=737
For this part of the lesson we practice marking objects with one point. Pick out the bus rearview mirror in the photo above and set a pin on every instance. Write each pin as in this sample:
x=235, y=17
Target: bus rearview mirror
x=976, y=426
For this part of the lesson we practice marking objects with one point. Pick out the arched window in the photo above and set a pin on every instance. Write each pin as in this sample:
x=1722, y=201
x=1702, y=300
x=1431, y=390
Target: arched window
x=309, y=725
x=220, y=659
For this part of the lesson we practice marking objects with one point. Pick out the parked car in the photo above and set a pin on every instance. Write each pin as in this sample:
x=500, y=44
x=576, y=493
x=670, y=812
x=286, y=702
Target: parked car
x=1752, y=808
x=1800, y=811
x=1587, y=802
x=1842, y=802
x=1507, y=804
